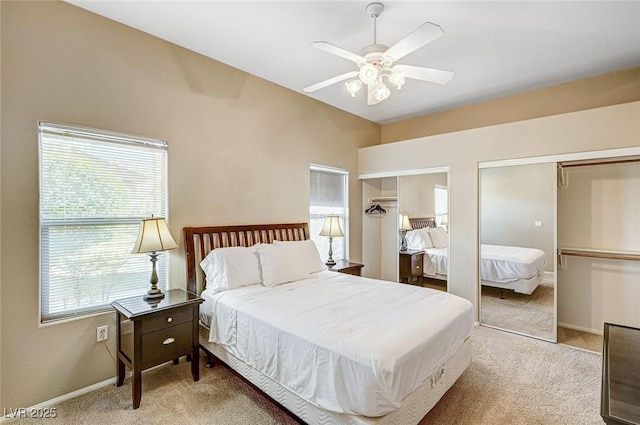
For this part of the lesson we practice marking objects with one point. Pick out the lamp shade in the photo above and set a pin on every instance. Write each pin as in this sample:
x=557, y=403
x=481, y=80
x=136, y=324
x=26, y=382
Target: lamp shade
x=445, y=219
x=153, y=236
x=405, y=224
x=331, y=226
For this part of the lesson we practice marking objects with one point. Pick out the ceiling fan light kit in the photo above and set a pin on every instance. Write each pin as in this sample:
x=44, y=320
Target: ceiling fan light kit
x=375, y=62
x=353, y=87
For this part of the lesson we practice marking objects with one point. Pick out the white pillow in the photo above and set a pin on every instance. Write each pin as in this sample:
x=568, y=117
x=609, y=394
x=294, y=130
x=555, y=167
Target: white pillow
x=232, y=267
x=418, y=239
x=281, y=263
x=309, y=250
x=439, y=237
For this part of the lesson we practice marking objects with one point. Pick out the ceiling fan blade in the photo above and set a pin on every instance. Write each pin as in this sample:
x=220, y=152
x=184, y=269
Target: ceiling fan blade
x=431, y=75
x=371, y=99
x=326, y=83
x=421, y=36
x=338, y=51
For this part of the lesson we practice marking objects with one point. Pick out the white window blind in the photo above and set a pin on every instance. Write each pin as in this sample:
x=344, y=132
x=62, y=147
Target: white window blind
x=328, y=195
x=95, y=187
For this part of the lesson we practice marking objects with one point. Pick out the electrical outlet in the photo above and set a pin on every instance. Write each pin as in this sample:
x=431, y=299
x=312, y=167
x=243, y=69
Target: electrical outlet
x=102, y=333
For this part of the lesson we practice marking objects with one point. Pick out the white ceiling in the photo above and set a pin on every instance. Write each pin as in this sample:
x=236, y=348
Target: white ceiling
x=494, y=48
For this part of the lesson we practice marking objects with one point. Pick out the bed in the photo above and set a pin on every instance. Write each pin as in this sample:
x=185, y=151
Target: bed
x=351, y=356
x=506, y=267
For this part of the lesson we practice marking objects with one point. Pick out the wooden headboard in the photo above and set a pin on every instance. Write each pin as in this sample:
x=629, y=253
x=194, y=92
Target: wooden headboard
x=199, y=241
x=420, y=223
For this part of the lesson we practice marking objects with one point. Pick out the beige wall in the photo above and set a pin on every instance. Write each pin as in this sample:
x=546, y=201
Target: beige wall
x=239, y=152
x=594, y=92
x=416, y=194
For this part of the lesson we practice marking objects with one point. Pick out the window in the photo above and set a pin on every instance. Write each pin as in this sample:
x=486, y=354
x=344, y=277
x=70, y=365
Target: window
x=95, y=187
x=441, y=203
x=328, y=195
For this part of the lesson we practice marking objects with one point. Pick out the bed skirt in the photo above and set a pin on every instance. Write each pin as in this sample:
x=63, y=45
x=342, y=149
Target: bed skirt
x=413, y=408
x=521, y=286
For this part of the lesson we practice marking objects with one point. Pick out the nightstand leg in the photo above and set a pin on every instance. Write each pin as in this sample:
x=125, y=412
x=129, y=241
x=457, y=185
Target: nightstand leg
x=136, y=388
x=121, y=371
x=195, y=363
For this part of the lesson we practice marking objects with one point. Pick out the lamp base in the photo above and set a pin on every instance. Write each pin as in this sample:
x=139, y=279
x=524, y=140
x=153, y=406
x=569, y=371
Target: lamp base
x=330, y=263
x=152, y=295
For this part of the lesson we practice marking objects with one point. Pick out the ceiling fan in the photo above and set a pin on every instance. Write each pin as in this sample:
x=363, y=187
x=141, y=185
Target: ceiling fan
x=376, y=62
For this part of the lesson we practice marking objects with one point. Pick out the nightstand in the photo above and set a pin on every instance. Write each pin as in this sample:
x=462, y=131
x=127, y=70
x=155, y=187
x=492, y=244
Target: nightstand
x=347, y=267
x=411, y=266
x=149, y=334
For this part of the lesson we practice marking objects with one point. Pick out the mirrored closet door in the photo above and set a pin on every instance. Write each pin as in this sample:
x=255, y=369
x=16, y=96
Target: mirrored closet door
x=423, y=221
x=517, y=249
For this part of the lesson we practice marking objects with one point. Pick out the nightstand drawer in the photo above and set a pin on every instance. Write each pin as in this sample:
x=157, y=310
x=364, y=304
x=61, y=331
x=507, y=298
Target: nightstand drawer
x=410, y=266
x=166, y=344
x=416, y=264
x=163, y=319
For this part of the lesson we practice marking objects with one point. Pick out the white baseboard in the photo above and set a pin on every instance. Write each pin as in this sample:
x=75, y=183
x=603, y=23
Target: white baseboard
x=76, y=393
x=63, y=397
x=580, y=328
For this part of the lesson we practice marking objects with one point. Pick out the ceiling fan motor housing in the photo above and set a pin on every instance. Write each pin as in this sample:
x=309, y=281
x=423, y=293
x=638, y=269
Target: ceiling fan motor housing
x=375, y=9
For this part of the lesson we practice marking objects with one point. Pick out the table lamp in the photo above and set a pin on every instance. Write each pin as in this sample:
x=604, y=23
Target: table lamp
x=332, y=229
x=153, y=237
x=405, y=225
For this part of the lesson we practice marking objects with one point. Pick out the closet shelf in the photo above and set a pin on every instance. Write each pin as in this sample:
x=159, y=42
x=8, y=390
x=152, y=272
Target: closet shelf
x=596, y=253
x=383, y=199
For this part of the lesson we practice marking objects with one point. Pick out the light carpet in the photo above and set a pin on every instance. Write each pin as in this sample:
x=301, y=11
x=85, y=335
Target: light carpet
x=528, y=314
x=511, y=380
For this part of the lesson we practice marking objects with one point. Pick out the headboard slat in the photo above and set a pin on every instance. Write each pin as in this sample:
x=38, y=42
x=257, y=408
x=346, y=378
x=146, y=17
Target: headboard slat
x=422, y=222
x=197, y=248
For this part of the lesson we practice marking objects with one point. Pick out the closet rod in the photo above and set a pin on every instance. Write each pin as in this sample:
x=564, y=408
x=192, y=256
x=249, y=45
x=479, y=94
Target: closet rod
x=613, y=161
x=592, y=253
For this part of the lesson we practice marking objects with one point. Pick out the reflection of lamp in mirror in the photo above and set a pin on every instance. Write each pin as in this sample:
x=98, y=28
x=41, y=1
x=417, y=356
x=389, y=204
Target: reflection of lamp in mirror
x=405, y=226
x=332, y=229
x=153, y=237
x=444, y=221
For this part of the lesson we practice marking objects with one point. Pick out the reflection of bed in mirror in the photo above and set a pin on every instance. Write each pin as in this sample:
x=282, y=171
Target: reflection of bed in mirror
x=506, y=267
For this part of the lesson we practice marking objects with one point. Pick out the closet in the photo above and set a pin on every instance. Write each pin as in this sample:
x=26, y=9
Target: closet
x=380, y=228
x=592, y=223
x=598, y=244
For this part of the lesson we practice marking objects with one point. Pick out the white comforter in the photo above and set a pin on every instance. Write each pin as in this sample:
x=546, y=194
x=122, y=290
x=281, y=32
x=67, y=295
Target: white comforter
x=344, y=343
x=510, y=263
x=499, y=263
